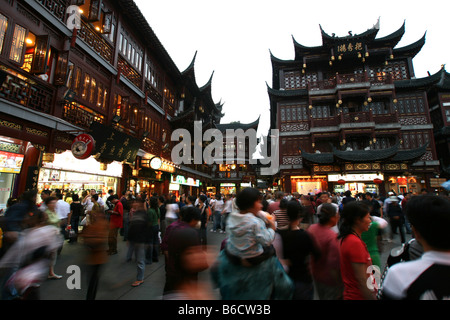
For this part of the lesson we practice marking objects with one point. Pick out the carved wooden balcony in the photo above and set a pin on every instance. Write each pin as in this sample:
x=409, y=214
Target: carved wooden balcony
x=27, y=90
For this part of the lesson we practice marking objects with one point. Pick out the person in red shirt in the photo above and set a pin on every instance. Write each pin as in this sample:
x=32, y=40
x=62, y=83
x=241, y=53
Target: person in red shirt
x=355, y=259
x=115, y=223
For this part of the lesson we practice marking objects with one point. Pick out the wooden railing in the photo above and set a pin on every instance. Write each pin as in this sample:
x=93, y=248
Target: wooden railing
x=21, y=88
x=80, y=116
x=93, y=39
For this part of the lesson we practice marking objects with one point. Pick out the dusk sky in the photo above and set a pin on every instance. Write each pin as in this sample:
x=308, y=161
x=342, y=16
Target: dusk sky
x=233, y=38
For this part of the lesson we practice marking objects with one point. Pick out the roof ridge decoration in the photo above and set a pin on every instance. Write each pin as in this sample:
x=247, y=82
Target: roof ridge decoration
x=191, y=65
x=371, y=33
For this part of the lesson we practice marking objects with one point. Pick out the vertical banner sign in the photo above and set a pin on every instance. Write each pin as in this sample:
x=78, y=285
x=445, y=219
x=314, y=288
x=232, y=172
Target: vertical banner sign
x=32, y=178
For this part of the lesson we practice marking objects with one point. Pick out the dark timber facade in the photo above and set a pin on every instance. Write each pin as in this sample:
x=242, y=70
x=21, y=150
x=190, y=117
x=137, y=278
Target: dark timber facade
x=353, y=116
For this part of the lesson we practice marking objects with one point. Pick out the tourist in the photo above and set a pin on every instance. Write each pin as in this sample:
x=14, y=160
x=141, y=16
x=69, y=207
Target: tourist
x=139, y=235
x=115, y=223
x=152, y=254
x=247, y=267
x=295, y=247
x=95, y=239
x=185, y=258
x=354, y=256
x=326, y=269
x=396, y=217
x=217, y=208
x=428, y=277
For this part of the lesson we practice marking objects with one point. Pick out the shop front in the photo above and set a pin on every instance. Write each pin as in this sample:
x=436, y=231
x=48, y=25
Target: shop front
x=65, y=172
x=404, y=184
x=179, y=184
x=356, y=183
x=227, y=188
x=308, y=184
x=12, y=154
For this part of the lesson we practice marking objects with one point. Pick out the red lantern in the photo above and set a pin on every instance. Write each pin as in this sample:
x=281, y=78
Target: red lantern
x=341, y=181
x=377, y=181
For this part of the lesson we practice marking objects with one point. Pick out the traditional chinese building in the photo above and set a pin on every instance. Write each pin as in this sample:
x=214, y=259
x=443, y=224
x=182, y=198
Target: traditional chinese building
x=88, y=67
x=235, y=168
x=352, y=116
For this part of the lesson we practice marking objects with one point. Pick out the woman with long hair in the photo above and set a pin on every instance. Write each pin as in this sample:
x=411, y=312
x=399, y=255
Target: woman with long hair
x=354, y=256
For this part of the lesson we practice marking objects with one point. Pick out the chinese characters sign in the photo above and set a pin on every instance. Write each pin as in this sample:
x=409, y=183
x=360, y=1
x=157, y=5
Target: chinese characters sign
x=114, y=145
x=350, y=47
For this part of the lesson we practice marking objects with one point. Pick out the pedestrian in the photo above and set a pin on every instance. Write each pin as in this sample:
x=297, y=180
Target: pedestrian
x=172, y=210
x=44, y=194
x=354, y=256
x=310, y=212
x=247, y=267
x=138, y=238
x=185, y=258
x=54, y=220
x=347, y=198
x=126, y=204
x=115, y=223
x=152, y=254
x=76, y=210
x=162, y=215
x=325, y=198
x=281, y=217
x=396, y=217
x=250, y=235
x=227, y=208
x=29, y=257
x=375, y=206
x=217, y=209
x=275, y=204
x=95, y=239
x=295, y=248
x=372, y=239
x=204, y=211
x=326, y=270
x=428, y=277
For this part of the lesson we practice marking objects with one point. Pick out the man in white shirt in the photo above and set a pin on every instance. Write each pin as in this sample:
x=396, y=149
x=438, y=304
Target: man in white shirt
x=427, y=278
x=62, y=210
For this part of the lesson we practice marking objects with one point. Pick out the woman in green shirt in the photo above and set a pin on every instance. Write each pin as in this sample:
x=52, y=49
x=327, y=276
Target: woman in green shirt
x=154, y=217
x=371, y=236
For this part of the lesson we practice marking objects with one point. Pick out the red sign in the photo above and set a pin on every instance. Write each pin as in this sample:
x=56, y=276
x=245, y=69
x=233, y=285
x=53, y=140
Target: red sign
x=82, y=146
x=341, y=181
x=378, y=181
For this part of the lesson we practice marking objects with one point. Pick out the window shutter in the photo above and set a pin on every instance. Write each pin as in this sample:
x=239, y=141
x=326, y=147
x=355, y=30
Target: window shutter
x=62, y=68
x=41, y=50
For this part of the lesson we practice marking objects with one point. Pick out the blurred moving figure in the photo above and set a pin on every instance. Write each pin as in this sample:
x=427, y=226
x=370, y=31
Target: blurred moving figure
x=326, y=269
x=95, y=238
x=247, y=267
x=184, y=257
x=29, y=257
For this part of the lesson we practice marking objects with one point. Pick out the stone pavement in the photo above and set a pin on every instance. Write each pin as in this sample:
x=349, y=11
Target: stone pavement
x=118, y=275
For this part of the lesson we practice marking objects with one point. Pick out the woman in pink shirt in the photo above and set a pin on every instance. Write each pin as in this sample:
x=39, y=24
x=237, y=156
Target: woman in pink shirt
x=326, y=269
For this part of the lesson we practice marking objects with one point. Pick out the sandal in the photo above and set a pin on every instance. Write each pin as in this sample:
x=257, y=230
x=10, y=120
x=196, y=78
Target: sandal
x=55, y=277
x=137, y=283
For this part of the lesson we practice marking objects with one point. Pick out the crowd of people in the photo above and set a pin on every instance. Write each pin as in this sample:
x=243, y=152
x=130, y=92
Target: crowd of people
x=275, y=246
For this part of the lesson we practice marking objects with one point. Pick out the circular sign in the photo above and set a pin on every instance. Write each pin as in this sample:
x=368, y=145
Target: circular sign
x=155, y=163
x=341, y=181
x=378, y=181
x=82, y=146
